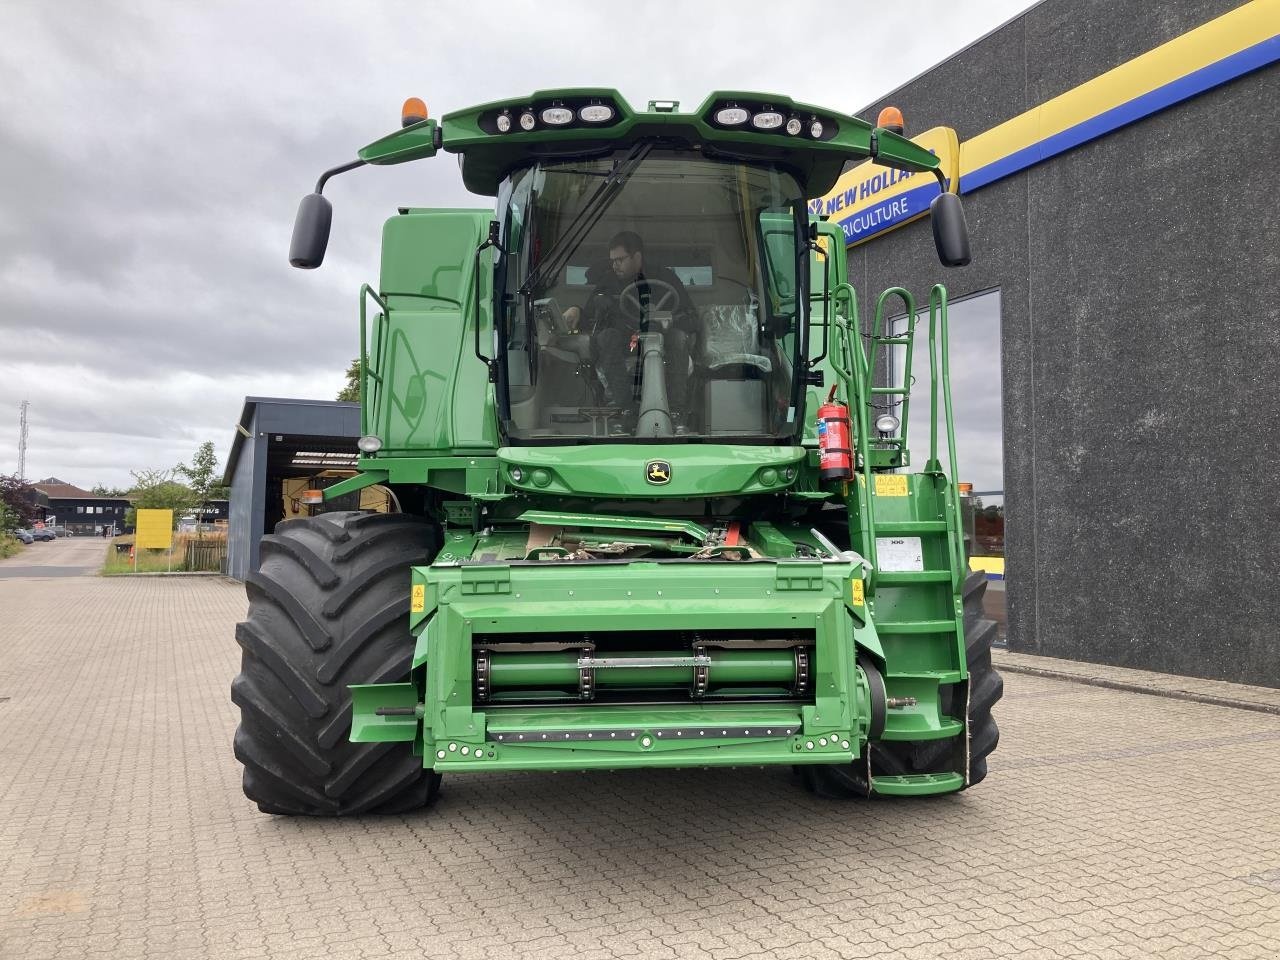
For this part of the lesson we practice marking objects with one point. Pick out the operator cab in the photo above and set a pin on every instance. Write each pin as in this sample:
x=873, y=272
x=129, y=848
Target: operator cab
x=698, y=338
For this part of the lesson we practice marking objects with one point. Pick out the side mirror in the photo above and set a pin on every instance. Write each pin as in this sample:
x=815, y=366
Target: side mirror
x=311, y=232
x=950, y=231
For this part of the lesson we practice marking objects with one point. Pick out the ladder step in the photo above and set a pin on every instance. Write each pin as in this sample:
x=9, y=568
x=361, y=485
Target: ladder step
x=918, y=784
x=899, y=730
x=913, y=576
x=890, y=391
x=894, y=340
x=911, y=526
x=915, y=626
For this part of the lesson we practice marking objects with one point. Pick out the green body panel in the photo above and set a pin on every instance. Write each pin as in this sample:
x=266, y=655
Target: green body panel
x=416, y=142
x=466, y=606
x=431, y=393
x=617, y=470
x=453, y=472
x=560, y=561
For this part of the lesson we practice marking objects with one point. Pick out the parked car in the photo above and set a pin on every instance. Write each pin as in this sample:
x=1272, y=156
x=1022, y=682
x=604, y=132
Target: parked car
x=44, y=533
x=25, y=536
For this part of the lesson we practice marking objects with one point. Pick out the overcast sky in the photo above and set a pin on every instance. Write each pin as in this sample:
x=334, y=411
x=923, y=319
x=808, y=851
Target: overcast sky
x=154, y=154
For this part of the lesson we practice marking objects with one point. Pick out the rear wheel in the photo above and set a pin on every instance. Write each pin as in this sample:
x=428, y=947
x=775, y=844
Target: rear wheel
x=903, y=757
x=328, y=606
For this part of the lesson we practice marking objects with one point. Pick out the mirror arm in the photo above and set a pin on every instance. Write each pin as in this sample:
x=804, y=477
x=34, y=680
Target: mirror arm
x=311, y=225
x=324, y=177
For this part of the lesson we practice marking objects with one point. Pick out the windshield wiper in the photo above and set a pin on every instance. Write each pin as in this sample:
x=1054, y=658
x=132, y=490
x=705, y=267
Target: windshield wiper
x=587, y=218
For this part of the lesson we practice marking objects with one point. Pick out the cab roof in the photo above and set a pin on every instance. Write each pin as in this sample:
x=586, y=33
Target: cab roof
x=814, y=143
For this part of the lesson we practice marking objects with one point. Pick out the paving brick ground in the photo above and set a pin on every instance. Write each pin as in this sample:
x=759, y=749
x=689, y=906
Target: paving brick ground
x=1114, y=824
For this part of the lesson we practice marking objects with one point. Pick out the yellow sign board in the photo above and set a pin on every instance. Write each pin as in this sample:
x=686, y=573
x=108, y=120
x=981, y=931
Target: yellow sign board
x=859, y=597
x=418, y=601
x=154, y=529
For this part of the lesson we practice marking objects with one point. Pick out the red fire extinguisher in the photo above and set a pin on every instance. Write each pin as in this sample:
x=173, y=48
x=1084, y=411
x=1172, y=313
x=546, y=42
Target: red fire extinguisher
x=835, y=450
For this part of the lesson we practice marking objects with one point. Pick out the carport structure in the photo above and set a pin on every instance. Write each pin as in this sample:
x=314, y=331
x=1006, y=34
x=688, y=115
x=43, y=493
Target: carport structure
x=277, y=440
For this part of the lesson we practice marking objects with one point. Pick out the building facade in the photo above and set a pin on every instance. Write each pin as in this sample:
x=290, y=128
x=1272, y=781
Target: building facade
x=1116, y=338
x=281, y=446
x=79, y=512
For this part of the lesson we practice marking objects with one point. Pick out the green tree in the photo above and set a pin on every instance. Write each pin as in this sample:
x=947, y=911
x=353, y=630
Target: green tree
x=351, y=392
x=203, y=479
x=20, y=497
x=159, y=490
x=102, y=490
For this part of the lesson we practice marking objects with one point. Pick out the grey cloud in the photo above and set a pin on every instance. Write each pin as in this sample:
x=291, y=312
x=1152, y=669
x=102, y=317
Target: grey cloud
x=154, y=154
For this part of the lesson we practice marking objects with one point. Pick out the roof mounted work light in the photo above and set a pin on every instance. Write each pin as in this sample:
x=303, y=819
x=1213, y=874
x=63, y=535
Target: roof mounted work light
x=596, y=113
x=557, y=116
x=732, y=116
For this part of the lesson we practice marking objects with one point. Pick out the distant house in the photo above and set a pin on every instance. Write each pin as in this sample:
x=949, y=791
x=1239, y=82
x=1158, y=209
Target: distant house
x=79, y=511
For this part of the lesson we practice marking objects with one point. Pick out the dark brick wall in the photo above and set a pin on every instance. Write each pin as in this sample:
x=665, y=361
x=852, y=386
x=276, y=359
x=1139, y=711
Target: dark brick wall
x=1141, y=346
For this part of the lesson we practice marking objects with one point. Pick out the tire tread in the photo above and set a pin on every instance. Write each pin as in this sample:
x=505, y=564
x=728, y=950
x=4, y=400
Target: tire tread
x=328, y=607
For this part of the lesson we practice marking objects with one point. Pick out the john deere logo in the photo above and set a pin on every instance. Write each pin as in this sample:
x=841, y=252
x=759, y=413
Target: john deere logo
x=657, y=471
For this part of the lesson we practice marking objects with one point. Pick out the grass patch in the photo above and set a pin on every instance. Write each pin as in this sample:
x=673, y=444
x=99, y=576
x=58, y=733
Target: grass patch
x=9, y=546
x=187, y=555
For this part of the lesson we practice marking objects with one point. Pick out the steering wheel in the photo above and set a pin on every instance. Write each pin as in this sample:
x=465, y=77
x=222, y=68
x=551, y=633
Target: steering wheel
x=662, y=296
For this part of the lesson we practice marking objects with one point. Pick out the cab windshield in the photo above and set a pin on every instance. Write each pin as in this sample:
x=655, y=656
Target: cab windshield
x=651, y=293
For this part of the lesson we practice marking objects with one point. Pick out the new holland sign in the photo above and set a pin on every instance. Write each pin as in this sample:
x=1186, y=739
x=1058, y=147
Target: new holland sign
x=870, y=199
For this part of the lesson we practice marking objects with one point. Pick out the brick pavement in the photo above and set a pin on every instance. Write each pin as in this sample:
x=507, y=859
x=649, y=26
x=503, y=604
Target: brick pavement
x=123, y=832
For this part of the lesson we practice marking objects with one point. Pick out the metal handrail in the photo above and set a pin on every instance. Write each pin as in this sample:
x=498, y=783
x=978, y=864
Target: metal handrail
x=844, y=293
x=939, y=335
x=366, y=374
x=876, y=340
x=849, y=362
x=855, y=367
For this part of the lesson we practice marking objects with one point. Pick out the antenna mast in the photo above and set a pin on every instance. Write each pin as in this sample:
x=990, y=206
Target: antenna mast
x=22, y=439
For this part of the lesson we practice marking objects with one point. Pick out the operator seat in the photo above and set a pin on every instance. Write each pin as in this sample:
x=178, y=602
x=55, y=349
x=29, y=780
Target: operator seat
x=735, y=369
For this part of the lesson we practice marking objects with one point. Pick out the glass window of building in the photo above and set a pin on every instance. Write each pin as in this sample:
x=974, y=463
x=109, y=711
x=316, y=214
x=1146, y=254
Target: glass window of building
x=974, y=324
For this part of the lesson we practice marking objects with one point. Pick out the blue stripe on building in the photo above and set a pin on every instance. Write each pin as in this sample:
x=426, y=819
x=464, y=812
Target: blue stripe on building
x=1197, y=82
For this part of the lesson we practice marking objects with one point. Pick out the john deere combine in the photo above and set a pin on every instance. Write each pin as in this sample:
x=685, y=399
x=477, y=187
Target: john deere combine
x=651, y=472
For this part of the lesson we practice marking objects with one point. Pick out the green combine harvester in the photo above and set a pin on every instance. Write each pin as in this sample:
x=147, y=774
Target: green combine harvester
x=651, y=478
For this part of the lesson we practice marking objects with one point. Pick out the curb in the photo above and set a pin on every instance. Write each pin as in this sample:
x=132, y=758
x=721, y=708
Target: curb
x=162, y=573
x=1129, y=687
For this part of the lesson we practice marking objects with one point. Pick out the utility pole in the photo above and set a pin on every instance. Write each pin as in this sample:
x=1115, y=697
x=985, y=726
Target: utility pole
x=22, y=439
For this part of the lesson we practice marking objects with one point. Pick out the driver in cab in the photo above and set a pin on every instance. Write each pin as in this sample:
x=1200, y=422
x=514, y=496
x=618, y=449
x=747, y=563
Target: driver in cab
x=619, y=310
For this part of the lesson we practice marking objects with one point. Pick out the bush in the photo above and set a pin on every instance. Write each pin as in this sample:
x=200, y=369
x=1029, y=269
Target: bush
x=8, y=520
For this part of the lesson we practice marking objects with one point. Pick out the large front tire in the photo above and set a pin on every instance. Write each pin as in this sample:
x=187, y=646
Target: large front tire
x=902, y=757
x=328, y=606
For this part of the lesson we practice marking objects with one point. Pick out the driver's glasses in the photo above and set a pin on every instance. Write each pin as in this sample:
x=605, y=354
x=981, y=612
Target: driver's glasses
x=619, y=261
